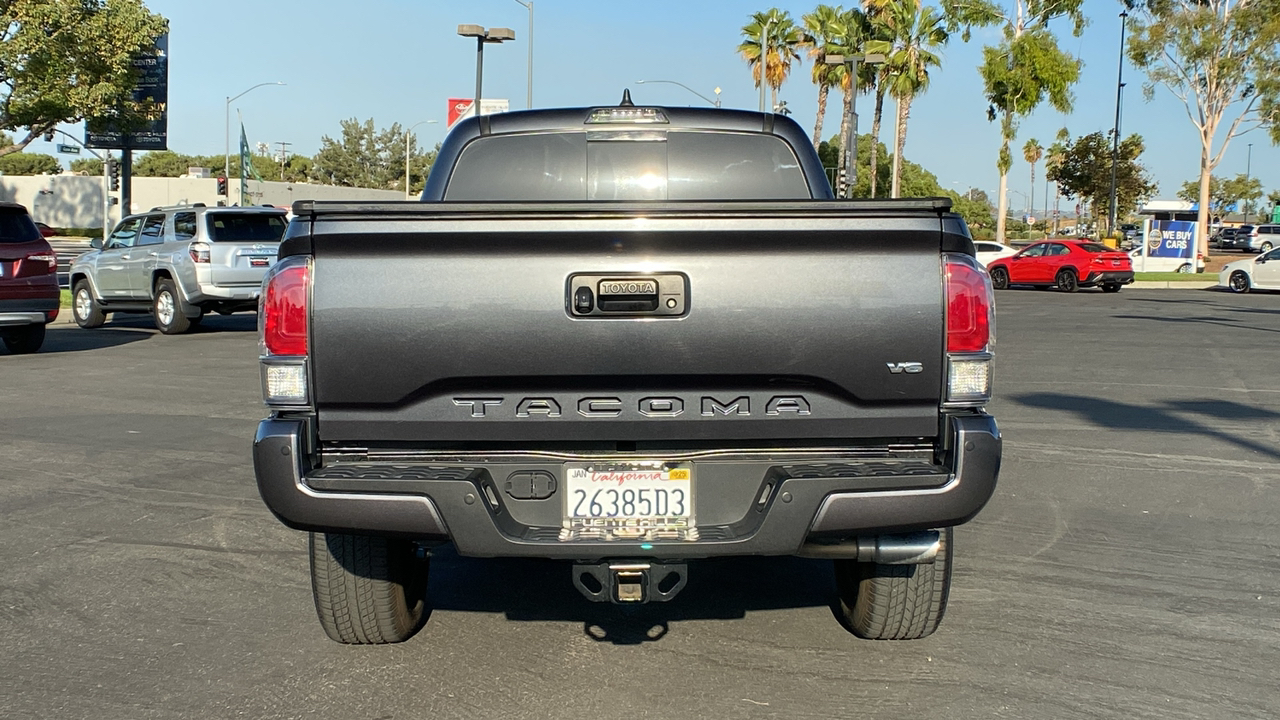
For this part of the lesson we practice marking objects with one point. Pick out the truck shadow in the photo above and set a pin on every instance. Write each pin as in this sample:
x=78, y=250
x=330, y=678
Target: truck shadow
x=527, y=590
x=70, y=339
x=1179, y=417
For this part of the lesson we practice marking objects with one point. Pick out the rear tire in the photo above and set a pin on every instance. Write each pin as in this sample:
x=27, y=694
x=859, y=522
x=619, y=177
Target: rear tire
x=895, y=602
x=166, y=308
x=1067, y=281
x=87, y=312
x=1239, y=282
x=368, y=590
x=1265, y=247
x=1000, y=279
x=1111, y=288
x=24, y=340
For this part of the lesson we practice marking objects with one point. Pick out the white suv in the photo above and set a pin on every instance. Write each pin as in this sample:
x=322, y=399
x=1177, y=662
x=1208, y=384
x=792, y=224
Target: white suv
x=177, y=263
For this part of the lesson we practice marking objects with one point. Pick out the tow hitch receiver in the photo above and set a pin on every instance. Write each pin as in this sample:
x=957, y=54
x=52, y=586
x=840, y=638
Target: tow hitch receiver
x=629, y=582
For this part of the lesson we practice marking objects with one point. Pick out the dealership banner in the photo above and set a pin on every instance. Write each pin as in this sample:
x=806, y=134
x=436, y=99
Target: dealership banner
x=152, y=94
x=1171, y=239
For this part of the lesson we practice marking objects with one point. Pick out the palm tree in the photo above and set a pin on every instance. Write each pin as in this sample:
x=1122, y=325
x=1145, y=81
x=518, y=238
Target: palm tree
x=917, y=31
x=775, y=34
x=877, y=29
x=1032, y=152
x=851, y=33
x=822, y=29
x=1057, y=155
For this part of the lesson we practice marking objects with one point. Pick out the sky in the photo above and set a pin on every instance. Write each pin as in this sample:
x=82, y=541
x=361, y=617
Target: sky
x=400, y=60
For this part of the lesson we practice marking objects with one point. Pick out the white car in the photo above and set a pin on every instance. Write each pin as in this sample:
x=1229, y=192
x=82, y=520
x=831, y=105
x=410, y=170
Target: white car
x=1256, y=273
x=991, y=251
x=1164, y=264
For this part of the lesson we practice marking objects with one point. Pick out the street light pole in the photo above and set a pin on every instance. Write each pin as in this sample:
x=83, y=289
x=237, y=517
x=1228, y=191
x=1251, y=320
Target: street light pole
x=226, y=169
x=715, y=102
x=406, y=154
x=482, y=36
x=851, y=142
x=529, y=5
x=1248, y=167
x=1115, y=140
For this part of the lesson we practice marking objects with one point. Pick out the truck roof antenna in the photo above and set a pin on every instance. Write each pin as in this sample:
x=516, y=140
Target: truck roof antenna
x=626, y=98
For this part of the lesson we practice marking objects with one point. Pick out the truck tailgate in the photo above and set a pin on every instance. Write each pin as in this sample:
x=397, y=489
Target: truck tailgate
x=799, y=321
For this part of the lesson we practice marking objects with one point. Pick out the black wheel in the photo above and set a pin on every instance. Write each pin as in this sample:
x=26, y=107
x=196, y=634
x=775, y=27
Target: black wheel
x=1000, y=278
x=1066, y=281
x=167, y=310
x=1239, y=281
x=24, y=340
x=368, y=590
x=87, y=312
x=895, y=602
x=1110, y=288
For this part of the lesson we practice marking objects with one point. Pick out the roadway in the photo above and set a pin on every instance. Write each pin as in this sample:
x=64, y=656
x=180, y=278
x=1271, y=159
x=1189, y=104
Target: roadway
x=1128, y=566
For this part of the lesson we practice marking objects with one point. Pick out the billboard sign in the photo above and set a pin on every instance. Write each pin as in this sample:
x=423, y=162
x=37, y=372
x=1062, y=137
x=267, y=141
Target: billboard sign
x=152, y=94
x=1168, y=245
x=462, y=108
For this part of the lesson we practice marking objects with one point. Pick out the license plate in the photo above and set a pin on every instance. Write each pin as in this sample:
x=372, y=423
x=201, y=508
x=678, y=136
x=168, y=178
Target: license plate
x=259, y=262
x=649, y=500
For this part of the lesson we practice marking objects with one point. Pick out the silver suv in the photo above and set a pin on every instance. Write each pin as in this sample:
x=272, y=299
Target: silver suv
x=1259, y=238
x=178, y=263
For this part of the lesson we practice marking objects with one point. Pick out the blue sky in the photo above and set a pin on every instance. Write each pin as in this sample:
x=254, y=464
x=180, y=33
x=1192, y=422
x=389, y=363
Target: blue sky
x=399, y=60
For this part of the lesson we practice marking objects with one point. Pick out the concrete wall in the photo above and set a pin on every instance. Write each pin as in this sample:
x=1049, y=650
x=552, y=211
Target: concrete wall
x=76, y=200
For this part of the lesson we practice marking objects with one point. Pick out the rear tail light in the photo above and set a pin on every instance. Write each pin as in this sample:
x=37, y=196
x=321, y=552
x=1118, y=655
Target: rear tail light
x=41, y=263
x=283, y=333
x=199, y=252
x=970, y=316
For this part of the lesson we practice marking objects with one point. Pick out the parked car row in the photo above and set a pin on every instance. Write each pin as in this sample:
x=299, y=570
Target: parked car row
x=1250, y=238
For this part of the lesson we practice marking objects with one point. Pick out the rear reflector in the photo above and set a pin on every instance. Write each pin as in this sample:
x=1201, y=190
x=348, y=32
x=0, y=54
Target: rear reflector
x=970, y=305
x=283, y=313
x=199, y=252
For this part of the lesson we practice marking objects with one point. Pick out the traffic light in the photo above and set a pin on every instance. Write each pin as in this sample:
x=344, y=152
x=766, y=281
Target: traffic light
x=48, y=135
x=113, y=172
x=222, y=186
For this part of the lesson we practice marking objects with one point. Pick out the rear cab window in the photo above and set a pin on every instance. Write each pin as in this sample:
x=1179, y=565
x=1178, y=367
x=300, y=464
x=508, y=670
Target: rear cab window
x=16, y=226
x=627, y=164
x=258, y=227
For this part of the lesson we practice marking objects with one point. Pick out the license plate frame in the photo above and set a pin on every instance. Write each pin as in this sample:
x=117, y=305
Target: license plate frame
x=606, y=501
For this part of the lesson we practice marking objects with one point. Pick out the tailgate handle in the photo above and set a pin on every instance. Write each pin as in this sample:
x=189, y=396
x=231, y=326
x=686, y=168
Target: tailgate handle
x=627, y=295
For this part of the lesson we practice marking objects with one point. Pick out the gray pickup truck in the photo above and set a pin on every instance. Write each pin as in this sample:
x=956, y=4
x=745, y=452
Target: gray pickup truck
x=627, y=338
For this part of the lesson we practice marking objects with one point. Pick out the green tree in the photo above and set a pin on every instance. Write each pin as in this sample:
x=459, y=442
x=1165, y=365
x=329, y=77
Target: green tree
x=1032, y=152
x=63, y=61
x=87, y=166
x=366, y=157
x=1221, y=58
x=163, y=163
x=1024, y=70
x=1241, y=191
x=917, y=31
x=29, y=164
x=774, y=36
x=822, y=29
x=1054, y=158
x=1085, y=172
x=976, y=213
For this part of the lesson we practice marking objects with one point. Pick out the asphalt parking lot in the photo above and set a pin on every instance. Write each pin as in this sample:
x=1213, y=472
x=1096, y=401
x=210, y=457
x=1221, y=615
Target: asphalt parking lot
x=1128, y=566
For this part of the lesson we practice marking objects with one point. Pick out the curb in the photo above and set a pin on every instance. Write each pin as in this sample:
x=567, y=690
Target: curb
x=1173, y=285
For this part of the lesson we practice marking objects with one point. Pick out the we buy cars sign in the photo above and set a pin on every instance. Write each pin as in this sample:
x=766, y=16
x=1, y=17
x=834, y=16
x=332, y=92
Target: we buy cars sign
x=460, y=108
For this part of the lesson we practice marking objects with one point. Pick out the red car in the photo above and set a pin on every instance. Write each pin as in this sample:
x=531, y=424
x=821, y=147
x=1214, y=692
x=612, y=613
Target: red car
x=1064, y=264
x=46, y=232
x=29, y=295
